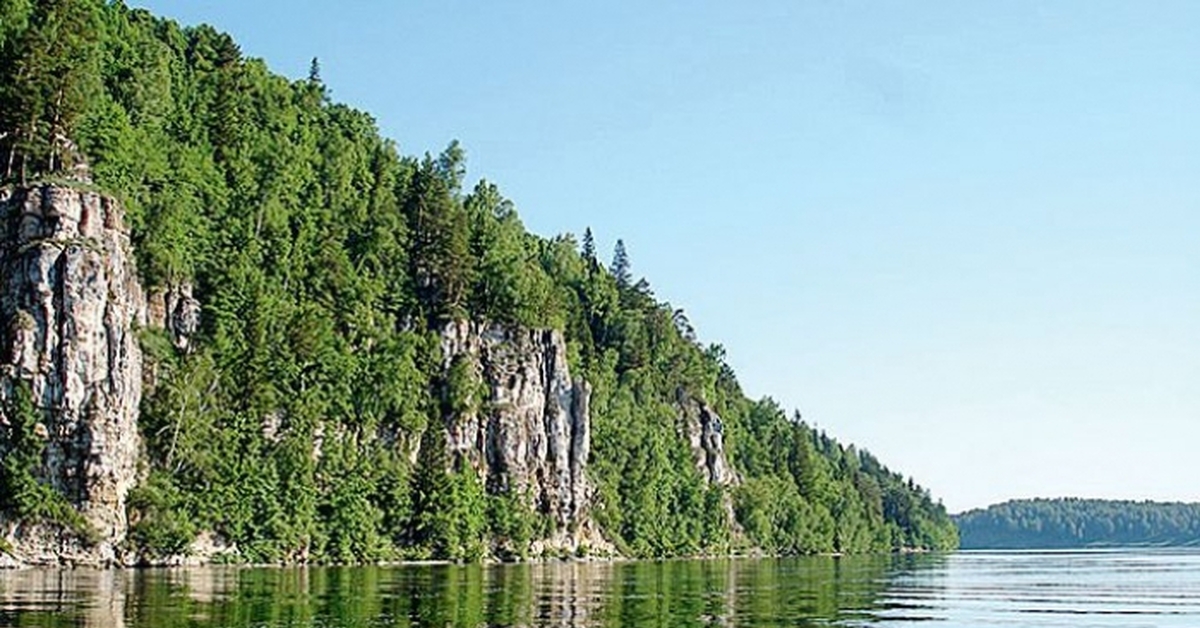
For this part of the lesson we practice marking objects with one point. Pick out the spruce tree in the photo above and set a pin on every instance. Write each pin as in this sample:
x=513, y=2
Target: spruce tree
x=620, y=264
x=589, y=247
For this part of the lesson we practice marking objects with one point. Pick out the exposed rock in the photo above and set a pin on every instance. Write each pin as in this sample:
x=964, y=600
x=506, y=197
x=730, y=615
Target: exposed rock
x=69, y=303
x=530, y=433
x=174, y=309
x=205, y=549
x=706, y=435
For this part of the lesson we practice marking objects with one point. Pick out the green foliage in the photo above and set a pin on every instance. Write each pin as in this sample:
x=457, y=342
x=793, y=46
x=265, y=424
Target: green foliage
x=327, y=265
x=450, y=507
x=48, y=72
x=22, y=492
x=511, y=524
x=464, y=391
x=440, y=263
x=162, y=527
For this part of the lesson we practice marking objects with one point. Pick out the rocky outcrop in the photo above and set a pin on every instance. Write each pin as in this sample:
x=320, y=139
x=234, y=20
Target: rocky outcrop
x=706, y=434
x=529, y=430
x=173, y=309
x=69, y=305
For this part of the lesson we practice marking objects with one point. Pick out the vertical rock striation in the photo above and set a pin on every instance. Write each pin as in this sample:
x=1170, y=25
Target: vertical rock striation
x=530, y=430
x=706, y=434
x=175, y=310
x=69, y=303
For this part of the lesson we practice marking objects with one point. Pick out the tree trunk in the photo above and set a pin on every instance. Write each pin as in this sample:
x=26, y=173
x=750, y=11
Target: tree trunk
x=12, y=154
x=54, y=130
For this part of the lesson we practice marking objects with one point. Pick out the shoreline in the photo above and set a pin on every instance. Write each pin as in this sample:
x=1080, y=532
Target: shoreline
x=9, y=564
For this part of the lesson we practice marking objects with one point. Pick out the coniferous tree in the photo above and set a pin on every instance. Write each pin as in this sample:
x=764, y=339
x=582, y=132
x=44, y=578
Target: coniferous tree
x=440, y=237
x=433, y=494
x=314, y=71
x=620, y=265
x=49, y=72
x=589, y=248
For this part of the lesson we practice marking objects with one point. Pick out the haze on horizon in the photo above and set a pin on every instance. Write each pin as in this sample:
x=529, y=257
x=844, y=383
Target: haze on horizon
x=961, y=236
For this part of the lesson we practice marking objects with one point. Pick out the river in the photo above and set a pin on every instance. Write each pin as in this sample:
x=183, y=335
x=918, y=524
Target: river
x=1064, y=589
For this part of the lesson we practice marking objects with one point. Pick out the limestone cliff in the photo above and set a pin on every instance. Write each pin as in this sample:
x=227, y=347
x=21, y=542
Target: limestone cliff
x=705, y=432
x=531, y=431
x=70, y=301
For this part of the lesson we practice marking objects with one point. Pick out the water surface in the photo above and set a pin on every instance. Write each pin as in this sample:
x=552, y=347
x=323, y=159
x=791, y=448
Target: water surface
x=1101, y=588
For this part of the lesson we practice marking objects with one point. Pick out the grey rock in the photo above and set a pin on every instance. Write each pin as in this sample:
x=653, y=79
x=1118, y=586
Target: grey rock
x=174, y=309
x=530, y=432
x=705, y=432
x=70, y=301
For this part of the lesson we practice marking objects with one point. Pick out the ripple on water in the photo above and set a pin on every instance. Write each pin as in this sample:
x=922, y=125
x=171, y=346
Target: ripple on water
x=1078, y=588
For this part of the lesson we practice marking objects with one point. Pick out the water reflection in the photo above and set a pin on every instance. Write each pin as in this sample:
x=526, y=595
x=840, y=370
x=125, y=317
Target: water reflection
x=807, y=591
x=1125, y=588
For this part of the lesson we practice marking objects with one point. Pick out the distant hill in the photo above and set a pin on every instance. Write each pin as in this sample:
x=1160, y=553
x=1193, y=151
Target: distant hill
x=1074, y=523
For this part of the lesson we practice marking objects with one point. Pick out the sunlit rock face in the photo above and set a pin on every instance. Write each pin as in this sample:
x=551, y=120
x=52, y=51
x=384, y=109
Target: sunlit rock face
x=70, y=303
x=173, y=308
x=705, y=434
x=529, y=430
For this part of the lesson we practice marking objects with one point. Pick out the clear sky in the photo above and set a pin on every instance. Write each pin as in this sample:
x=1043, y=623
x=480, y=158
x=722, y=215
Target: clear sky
x=963, y=235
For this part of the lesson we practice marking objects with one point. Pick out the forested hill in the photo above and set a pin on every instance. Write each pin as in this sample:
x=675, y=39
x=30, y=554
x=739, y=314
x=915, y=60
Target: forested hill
x=1074, y=523
x=313, y=414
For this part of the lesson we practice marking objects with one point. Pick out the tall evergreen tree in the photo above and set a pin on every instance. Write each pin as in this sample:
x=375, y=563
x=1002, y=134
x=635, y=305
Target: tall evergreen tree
x=314, y=71
x=49, y=71
x=620, y=265
x=589, y=248
x=441, y=238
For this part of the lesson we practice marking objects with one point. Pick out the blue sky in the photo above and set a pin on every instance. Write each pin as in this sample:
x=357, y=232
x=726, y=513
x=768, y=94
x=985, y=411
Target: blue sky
x=961, y=235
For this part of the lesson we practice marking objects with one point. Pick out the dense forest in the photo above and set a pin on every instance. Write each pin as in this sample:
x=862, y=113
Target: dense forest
x=1072, y=523
x=327, y=262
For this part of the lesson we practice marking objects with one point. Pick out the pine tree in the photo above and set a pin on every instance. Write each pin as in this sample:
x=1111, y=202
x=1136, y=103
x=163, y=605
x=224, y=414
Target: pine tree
x=314, y=71
x=440, y=257
x=620, y=264
x=48, y=73
x=433, y=494
x=589, y=248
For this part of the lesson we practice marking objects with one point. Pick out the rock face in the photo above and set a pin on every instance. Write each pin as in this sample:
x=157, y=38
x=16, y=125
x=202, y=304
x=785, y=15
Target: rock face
x=175, y=310
x=69, y=303
x=705, y=433
x=530, y=430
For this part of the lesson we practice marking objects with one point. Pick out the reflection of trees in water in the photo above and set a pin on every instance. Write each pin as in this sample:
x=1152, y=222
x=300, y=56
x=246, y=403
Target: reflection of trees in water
x=716, y=592
x=802, y=590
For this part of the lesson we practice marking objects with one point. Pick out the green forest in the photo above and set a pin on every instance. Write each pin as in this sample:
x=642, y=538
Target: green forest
x=327, y=261
x=1074, y=523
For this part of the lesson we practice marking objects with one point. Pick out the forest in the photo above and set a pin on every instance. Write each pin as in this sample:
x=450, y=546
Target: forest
x=1075, y=523
x=327, y=261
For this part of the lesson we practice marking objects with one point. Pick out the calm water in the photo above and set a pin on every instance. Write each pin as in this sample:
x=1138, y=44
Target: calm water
x=1111, y=588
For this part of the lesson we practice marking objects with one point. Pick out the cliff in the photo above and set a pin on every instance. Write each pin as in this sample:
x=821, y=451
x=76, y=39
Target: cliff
x=69, y=303
x=530, y=432
x=705, y=433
